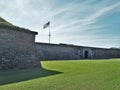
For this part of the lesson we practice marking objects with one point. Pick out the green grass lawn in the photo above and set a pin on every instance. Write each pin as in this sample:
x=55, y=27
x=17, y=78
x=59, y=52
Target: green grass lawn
x=65, y=75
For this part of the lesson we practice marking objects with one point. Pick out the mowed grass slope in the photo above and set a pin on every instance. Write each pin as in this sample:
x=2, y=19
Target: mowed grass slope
x=65, y=75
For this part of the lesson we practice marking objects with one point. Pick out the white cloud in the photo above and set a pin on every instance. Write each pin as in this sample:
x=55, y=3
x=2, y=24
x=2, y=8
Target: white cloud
x=90, y=19
x=68, y=19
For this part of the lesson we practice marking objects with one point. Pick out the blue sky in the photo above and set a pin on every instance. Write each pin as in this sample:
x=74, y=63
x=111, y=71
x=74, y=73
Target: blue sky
x=80, y=22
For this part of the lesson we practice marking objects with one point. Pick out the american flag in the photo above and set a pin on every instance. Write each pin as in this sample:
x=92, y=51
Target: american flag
x=46, y=25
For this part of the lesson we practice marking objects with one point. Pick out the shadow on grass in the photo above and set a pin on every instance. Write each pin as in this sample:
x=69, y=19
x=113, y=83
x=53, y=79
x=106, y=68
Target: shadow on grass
x=13, y=76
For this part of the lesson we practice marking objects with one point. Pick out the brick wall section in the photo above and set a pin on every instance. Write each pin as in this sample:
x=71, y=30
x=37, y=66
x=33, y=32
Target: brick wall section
x=17, y=49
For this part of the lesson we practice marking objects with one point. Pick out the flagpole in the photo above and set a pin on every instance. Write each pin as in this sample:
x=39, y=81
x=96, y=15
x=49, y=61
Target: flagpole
x=45, y=26
x=49, y=34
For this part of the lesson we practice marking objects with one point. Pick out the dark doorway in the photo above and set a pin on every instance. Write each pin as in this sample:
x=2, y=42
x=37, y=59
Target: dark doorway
x=86, y=54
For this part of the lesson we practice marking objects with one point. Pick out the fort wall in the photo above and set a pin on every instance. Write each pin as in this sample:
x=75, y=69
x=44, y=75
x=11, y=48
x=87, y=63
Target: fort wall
x=63, y=51
x=17, y=49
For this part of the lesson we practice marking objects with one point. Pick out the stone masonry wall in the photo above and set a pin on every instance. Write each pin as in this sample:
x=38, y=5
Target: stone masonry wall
x=17, y=49
x=59, y=51
x=54, y=52
x=106, y=53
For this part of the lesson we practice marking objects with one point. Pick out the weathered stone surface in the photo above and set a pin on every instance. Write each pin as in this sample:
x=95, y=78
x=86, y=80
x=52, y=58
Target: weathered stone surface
x=17, y=49
x=58, y=51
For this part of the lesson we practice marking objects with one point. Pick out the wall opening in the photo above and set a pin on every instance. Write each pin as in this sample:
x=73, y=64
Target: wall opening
x=86, y=54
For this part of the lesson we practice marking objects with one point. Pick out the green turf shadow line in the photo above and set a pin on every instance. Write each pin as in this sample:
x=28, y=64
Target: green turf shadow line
x=13, y=76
